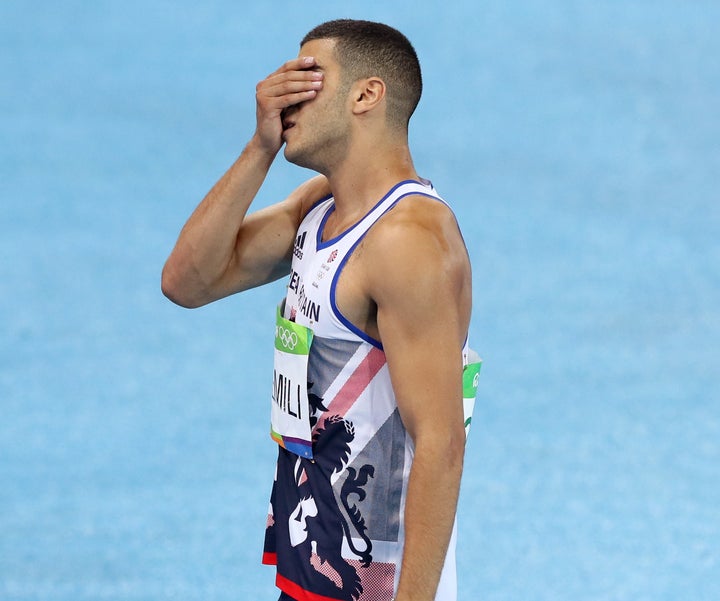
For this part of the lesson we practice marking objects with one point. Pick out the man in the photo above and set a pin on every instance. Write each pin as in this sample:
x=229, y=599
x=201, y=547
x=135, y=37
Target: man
x=371, y=339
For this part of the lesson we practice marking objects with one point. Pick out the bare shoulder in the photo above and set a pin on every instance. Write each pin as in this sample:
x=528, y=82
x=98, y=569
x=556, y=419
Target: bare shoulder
x=423, y=233
x=415, y=256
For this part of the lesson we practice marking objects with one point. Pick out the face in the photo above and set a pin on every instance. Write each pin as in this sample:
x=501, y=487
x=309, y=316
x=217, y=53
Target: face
x=321, y=127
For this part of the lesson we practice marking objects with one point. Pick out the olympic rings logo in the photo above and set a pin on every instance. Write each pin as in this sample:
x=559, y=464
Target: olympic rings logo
x=288, y=338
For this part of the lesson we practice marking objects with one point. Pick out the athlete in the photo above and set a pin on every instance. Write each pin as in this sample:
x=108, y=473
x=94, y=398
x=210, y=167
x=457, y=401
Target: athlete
x=371, y=339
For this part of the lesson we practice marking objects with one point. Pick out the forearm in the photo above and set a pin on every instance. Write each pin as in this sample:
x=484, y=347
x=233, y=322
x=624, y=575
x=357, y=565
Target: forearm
x=430, y=509
x=207, y=243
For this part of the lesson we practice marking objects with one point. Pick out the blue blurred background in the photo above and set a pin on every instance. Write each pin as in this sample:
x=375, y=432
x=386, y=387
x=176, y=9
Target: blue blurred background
x=579, y=143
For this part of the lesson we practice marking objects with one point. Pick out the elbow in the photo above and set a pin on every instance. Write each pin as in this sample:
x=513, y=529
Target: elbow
x=456, y=452
x=454, y=449
x=174, y=290
x=447, y=447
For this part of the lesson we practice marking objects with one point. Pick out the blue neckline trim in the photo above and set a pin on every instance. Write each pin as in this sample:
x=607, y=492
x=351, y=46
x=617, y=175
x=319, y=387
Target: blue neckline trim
x=322, y=245
x=318, y=202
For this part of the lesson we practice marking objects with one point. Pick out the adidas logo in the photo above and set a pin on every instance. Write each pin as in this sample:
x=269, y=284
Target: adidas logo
x=299, y=243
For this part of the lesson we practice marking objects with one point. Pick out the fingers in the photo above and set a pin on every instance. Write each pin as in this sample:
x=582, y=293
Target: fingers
x=282, y=94
x=296, y=64
x=292, y=83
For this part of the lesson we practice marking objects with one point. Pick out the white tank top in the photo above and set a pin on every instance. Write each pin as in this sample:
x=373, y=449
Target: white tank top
x=317, y=264
x=336, y=527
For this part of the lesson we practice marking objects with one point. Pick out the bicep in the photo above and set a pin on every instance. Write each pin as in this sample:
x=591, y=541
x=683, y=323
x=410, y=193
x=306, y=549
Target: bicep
x=263, y=250
x=263, y=246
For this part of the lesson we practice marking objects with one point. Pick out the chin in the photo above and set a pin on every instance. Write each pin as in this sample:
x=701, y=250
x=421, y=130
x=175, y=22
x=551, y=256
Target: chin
x=297, y=157
x=290, y=154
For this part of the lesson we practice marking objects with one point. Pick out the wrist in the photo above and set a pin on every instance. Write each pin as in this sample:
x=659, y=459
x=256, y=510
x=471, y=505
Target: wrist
x=258, y=146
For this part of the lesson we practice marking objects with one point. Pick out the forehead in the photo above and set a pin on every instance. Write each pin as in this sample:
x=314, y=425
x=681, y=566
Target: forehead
x=323, y=50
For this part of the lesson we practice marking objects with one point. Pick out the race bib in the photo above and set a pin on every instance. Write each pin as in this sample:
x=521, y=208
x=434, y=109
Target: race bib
x=471, y=375
x=290, y=412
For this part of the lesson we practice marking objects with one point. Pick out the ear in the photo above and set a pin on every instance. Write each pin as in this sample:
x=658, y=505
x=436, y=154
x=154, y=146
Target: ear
x=367, y=94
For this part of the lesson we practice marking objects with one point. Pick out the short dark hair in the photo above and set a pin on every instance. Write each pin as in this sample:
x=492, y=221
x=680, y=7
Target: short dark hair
x=366, y=49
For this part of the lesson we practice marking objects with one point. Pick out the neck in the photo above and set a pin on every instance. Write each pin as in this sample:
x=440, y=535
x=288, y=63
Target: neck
x=366, y=175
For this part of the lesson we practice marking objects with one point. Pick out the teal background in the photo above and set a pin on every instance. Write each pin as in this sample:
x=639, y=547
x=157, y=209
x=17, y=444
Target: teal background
x=579, y=144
